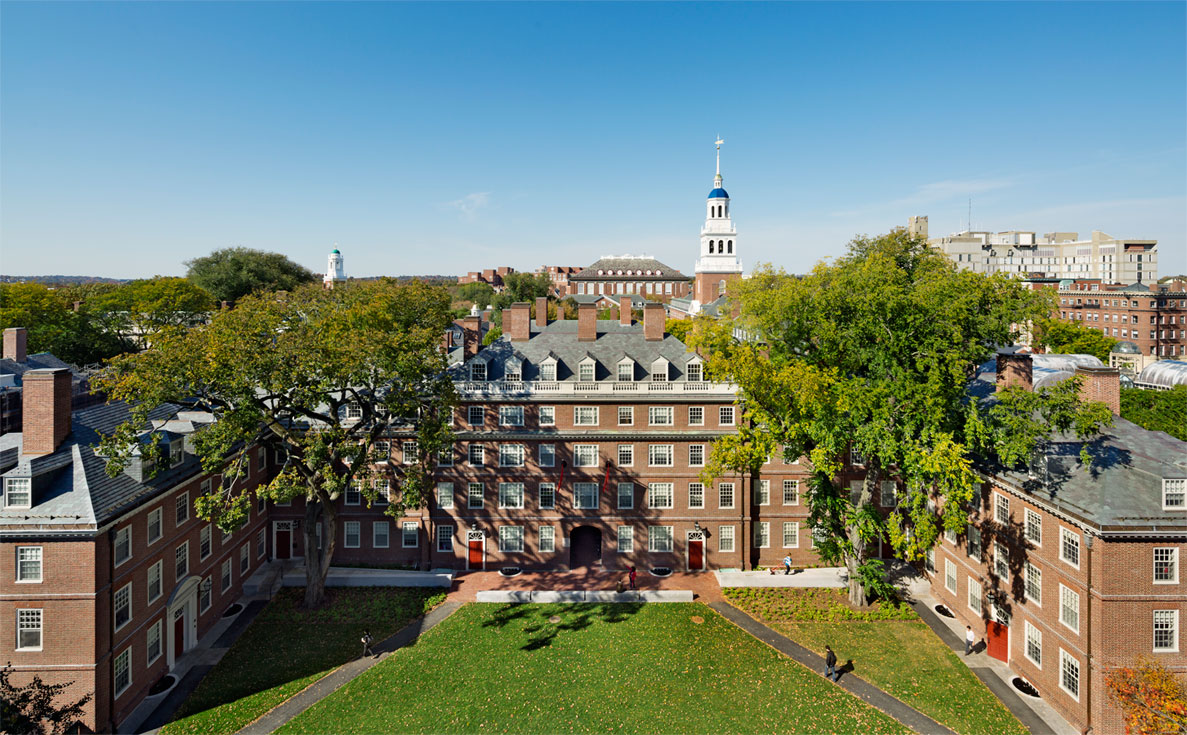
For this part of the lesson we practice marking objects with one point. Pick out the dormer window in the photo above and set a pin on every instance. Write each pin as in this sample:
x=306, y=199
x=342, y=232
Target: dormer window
x=548, y=371
x=585, y=372
x=478, y=370
x=626, y=371
x=354, y=411
x=513, y=371
x=693, y=372
x=1174, y=494
x=659, y=371
x=18, y=492
x=176, y=447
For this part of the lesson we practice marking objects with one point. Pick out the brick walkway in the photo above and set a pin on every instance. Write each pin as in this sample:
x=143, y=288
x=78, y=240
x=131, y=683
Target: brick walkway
x=467, y=585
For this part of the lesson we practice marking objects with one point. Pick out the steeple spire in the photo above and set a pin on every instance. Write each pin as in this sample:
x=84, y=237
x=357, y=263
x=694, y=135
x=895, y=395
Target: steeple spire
x=717, y=178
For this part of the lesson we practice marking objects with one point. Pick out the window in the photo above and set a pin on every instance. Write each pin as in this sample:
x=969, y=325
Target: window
x=1166, y=565
x=548, y=371
x=1034, y=527
x=121, y=604
x=585, y=415
x=950, y=576
x=510, y=538
x=725, y=495
x=585, y=372
x=626, y=455
x=973, y=542
x=513, y=371
x=1034, y=645
x=28, y=563
x=762, y=493
x=696, y=455
x=444, y=494
x=181, y=559
x=18, y=492
x=1069, y=547
x=351, y=535
x=1001, y=509
x=204, y=595
x=626, y=415
x=1001, y=560
x=511, y=415
x=1069, y=608
x=889, y=493
x=409, y=535
x=950, y=535
x=660, y=416
x=510, y=494
x=762, y=534
x=696, y=415
x=626, y=539
x=354, y=493
x=511, y=455
x=475, y=495
x=585, y=495
x=204, y=543
x=929, y=560
x=725, y=415
x=478, y=370
x=409, y=451
x=791, y=534
x=547, y=536
x=123, y=545
x=855, y=456
x=1034, y=584
x=1166, y=630
x=547, y=415
x=379, y=535
x=153, y=646
x=476, y=415
x=1174, y=494
x=154, y=525
x=28, y=629
x=659, y=538
x=696, y=495
x=974, y=595
x=181, y=508
x=791, y=492
x=1069, y=674
x=261, y=543
x=660, y=455
x=547, y=455
x=354, y=411
x=477, y=455
x=626, y=371
x=122, y=671
x=244, y=558
x=226, y=575
x=660, y=495
x=693, y=372
x=659, y=371
x=154, y=581
x=626, y=495
x=383, y=491
x=585, y=455
x=547, y=492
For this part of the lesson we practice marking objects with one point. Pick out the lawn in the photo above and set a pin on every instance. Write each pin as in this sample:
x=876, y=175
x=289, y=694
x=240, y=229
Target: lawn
x=890, y=647
x=286, y=649
x=647, y=668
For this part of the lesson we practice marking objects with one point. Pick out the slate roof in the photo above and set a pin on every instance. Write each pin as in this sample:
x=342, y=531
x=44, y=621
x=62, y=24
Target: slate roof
x=38, y=361
x=624, y=263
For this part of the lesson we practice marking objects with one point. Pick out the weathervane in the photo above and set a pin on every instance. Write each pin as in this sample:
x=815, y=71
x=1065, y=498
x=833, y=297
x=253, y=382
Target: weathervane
x=718, y=144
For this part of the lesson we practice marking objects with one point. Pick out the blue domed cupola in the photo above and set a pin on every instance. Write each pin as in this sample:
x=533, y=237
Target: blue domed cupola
x=719, y=199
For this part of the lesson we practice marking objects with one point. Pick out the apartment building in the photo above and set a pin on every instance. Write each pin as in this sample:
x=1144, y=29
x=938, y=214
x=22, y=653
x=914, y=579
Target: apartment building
x=1153, y=317
x=1070, y=573
x=492, y=276
x=106, y=582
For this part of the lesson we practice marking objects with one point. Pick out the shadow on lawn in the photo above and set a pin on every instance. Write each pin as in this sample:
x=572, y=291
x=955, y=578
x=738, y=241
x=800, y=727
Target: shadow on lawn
x=574, y=617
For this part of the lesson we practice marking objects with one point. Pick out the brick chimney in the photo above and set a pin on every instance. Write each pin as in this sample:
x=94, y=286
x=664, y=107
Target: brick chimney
x=517, y=322
x=541, y=311
x=624, y=311
x=1101, y=384
x=46, y=409
x=471, y=335
x=587, y=323
x=15, y=340
x=1016, y=369
x=653, y=321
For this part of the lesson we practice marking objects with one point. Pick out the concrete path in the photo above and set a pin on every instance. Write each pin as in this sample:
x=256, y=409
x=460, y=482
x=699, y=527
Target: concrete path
x=821, y=577
x=851, y=683
x=326, y=685
x=467, y=585
x=354, y=577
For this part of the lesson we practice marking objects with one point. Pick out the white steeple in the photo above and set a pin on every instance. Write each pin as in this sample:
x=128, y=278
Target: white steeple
x=335, y=269
x=719, y=239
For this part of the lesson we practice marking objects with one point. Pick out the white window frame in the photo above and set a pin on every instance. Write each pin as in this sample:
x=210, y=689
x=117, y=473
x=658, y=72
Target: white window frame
x=405, y=527
x=408, y=452
x=950, y=576
x=511, y=455
x=696, y=455
x=205, y=595
x=1174, y=618
x=1032, y=515
x=21, y=487
x=122, y=660
x=244, y=558
x=1173, y=552
x=661, y=416
x=181, y=505
x=1064, y=658
x=762, y=534
x=1001, y=509
x=508, y=497
x=508, y=535
x=726, y=415
x=725, y=539
x=582, y=494
x=471, y=495
x=181, y=553
x=546, y=494
x=443, y=494
x=478, y=371
x=794, y=487
x=1174, y=494
x=546, y=539
x=665, y=453
x=154, y=632
x=626, y=495
x=205, y=543
x=1065, y=594
x=155, y=516
x=375, y=535
x=547, y=415
x=1066, y=534
x=123, y=539
x=510, y=415
x=585, y=455
x=975, y=586
x=476, y=411
x=698, y=418
x=125, y=593
x=625, y=539
x=30, y=552
x=888, y=487
x=586, y=415
x=626, y=455
x=794, y=528
x=1035, y=574
x=661, y=495
x=696, y=495
x=24, y=623
x=721, y=486
x=156, y=570
x=546, y=455
x=627, y=412
x=226, y=576
x=475, y=451
x=587, y=370
x=655, y=539
x=347, y=527
x=762, y=494
x=1031, y=633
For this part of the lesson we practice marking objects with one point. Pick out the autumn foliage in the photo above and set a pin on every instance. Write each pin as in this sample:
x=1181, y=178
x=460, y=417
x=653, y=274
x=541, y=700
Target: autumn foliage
x=1152, y=698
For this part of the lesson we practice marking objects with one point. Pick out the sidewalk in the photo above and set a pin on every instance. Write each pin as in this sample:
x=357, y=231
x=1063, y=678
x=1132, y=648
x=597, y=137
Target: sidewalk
x=467, y=585
x=819, y=577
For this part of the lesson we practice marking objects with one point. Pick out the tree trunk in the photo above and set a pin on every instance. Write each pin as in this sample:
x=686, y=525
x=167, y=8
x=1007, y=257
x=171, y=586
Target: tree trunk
x=317, y=561
x=857, y=590
x=426, y=548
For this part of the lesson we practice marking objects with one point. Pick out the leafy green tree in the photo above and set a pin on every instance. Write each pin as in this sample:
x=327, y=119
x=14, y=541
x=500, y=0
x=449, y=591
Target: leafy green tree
x=35, y=709
x=52, y=325
x=874, y=353
x=1073, y=338
x=478, y=293
x=1157, y=410
x=232, y=273
x=138, y=310
x=526, y=286
x=318, y=377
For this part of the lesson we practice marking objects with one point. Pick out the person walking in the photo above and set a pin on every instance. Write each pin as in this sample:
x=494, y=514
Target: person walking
x=367, y=640
x=969, y=639
x=787, y=565
x=830, y=664
x=633, y=575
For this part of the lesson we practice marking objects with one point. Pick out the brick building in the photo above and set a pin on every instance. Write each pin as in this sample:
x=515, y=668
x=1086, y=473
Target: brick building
x=15, y=362
x=1153, y=318
x=492, y=276
x=558, y=277
x=1070, y=573
x=630, y=274
x=105, y=581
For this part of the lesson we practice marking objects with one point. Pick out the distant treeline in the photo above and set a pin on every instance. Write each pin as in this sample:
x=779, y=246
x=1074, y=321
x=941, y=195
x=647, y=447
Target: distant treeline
x=61, y=280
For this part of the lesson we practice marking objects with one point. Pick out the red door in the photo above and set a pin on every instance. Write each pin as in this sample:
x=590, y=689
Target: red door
x=696, y=555
x=997, y=641
x=475, y=554
x=178, y=635
x=284, y=544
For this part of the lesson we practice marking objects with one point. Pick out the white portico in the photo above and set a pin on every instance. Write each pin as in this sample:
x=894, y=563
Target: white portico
x=718, y=263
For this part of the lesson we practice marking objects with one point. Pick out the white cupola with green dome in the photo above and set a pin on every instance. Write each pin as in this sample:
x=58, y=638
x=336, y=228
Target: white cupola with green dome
x=335, y=269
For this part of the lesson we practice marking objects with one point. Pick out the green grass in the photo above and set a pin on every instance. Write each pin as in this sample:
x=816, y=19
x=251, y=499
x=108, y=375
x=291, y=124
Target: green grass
x=286, y=649
x=890, y=647
x=646, y=668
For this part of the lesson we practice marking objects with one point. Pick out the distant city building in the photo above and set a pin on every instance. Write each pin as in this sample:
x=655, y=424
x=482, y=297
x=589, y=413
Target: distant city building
x=1053, y=255
x=1151, y=318
x=631, y=275
x=558, y=276
x=335, y=269
x=492, y=276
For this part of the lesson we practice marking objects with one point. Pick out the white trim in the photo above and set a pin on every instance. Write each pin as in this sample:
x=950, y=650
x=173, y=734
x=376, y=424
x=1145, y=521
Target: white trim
x=387, y=535
x=1066, y=532
x=159, y=627
x=125, y=654
x=694, y=537
x=1153, y=631
x=1027, y=628
x=1059, y=674
x=358, y=532
x=40, y=565
x=472, y=535
x=1174, y=562
x=1062, y=588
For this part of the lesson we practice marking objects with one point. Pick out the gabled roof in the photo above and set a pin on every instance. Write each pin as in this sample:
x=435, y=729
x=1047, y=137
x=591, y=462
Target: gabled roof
x=611, y=264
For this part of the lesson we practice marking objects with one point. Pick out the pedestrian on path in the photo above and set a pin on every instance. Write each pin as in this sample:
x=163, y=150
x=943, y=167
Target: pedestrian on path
x=830, y=664
x=367, y=639
x=787, y=565
x=633, y=575
x=969, y=639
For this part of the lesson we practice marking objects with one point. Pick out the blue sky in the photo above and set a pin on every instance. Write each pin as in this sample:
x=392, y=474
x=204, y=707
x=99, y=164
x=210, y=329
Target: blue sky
x=440, y=138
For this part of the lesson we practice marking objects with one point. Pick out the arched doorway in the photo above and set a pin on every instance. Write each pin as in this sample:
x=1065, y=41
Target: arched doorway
x=585, y=547
x=182, y=619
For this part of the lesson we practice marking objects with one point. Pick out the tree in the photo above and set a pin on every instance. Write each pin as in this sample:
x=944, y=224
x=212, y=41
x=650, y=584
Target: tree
x=138, y=310
x=53, y=326
x=1071, y=338
x=232, y=273
x=479, y=293
x=526, y=286
x=1152, y=699
x=318, y=377
x=1157, y=410
x=31, y=708
x=874, y=353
